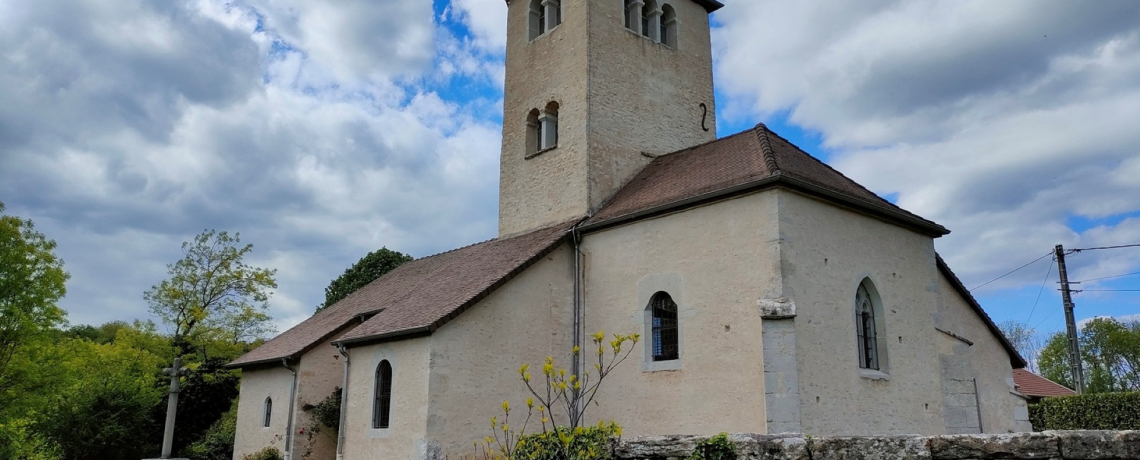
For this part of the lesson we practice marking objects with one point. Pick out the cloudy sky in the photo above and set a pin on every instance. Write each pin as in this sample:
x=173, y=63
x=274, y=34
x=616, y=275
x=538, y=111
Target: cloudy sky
x=321, y=130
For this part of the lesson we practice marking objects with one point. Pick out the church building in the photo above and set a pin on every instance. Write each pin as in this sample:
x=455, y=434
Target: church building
x=772, y=293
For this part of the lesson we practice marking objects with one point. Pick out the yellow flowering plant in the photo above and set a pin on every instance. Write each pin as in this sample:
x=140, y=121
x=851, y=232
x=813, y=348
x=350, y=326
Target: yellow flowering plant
x=559, y=390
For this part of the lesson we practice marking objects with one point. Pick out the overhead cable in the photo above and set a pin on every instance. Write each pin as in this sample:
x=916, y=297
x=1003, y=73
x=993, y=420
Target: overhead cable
x=1014, y=271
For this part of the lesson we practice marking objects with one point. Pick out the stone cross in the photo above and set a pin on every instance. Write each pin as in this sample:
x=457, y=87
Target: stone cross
x=174, y=372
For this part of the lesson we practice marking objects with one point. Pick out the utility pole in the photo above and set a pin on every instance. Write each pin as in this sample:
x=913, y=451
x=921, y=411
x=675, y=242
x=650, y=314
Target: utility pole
x=1075, y=366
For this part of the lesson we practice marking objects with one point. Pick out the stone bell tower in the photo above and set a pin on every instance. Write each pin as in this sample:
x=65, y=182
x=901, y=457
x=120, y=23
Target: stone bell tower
x=595, y=89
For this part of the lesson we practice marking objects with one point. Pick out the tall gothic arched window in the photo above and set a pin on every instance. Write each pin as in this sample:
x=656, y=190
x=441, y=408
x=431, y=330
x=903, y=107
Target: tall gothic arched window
x=382, y=406
x=867, y=327
x=665, y=336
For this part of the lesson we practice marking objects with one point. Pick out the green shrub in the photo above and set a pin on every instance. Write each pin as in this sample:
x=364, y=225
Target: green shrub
x=1096, y=411
x=326, y=412
x=218, y=441
x=268, y=453
x=715, y=448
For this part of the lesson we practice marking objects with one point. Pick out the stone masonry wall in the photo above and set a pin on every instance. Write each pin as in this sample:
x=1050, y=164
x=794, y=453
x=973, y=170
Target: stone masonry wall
x=1049, y=445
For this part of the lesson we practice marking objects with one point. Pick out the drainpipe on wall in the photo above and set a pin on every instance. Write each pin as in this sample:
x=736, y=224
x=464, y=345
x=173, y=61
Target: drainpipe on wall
x=576, y=368
x=289, y=422
x=343, y=406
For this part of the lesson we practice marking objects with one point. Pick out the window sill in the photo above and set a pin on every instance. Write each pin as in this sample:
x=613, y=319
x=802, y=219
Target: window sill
x=659, y=366
x=544, y=34
x=540, y=152
x=872, y=374
x=379, y=433
x=643, y=37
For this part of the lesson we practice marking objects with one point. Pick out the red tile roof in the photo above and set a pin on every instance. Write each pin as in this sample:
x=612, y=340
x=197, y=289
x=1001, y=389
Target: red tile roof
x=417, y=297
x=1031, y=384
x=740, y=163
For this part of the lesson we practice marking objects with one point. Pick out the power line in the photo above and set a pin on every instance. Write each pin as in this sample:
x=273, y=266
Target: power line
x=1012, y=272
x=1108, y=290
x=1048, y=272
x=1107, y=277
x=1107, y=247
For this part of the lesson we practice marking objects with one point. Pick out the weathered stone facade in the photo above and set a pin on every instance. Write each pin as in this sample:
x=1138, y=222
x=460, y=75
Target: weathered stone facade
x=1049, y=445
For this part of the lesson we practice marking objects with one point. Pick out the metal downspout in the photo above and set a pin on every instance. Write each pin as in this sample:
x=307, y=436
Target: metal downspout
x=343, y=406
x=289, y=422
x=577, y=365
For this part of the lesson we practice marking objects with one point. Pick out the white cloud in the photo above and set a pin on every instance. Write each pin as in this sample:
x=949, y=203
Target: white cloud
x=999, y=120
x=130, y=126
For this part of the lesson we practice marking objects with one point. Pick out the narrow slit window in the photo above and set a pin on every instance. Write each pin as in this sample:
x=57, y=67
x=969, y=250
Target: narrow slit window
x=268, y=412
x=382, y=407
x=665, y=343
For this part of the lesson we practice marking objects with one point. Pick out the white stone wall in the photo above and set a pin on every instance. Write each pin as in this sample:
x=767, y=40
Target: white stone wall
x=985, y=360
x=256, y=385
x=827, y=252
x=475, y=358
x=408, y=417
x=717, y=263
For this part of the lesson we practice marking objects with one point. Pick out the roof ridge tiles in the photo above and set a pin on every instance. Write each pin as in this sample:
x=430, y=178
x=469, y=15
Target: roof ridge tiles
x=840, y=173
x=766, y=147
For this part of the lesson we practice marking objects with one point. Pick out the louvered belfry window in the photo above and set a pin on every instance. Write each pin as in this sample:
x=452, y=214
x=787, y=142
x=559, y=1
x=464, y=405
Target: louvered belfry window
x=865, y=323
x=383, y=404
x=664, y=327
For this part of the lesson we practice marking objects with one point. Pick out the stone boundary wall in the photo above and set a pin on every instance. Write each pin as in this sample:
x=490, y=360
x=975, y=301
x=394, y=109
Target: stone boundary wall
x=1048, y=445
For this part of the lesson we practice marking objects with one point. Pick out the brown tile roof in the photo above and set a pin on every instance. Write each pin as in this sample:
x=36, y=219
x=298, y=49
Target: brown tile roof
x=417, y=297
x=1015, y=359
x=1031, y=384
x=743, y=162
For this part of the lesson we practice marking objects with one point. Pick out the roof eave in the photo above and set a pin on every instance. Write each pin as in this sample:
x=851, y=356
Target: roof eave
x=386, y=337
x=302, y=351
x=922, y=226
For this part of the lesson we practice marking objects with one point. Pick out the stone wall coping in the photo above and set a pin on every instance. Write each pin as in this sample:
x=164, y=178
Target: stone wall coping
x=1047, y=445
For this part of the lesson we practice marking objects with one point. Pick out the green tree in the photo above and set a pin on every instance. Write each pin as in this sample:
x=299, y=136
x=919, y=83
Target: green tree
x=1110, y=356
x=31, y=281
x=101, y=403
x=364, y=271
x=211, y=293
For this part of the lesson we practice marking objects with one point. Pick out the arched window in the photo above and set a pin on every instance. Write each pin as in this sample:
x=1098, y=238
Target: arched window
x=548, y=126
x=382, y=406
x=536, y=19
x=533, y=133
x=869, y=327
x=268, y=411
x=646, y=16
x=665, y=336
x=543, y=16
x=625, y=8
x=669, y=26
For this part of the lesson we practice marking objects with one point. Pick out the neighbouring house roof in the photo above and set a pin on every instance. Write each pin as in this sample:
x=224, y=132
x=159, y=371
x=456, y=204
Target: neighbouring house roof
x=1015, y=358
x=417, y=297
x=741, y=163
x=710, y=5
x=1034, y=385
